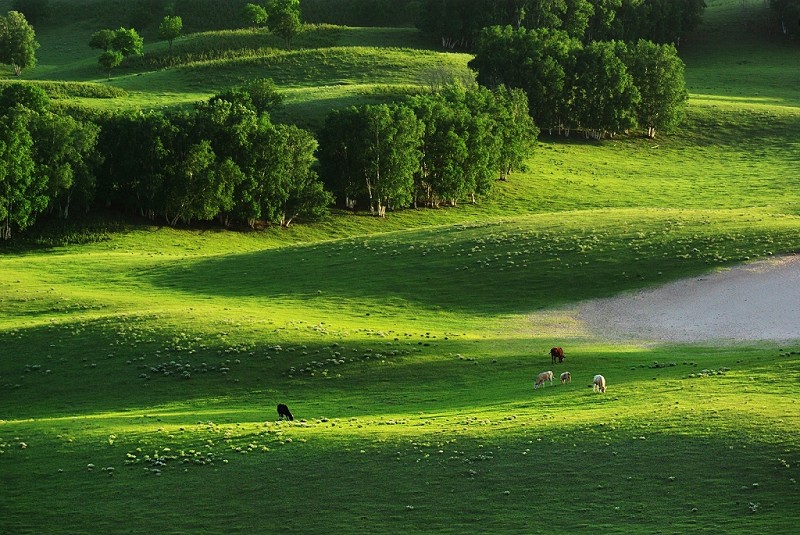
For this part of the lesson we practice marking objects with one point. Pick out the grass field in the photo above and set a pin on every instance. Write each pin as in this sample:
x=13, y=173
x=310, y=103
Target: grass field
x=139, y=370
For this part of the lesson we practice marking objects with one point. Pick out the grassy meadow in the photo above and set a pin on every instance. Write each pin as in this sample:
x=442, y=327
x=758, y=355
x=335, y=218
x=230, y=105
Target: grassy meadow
x=140, y=365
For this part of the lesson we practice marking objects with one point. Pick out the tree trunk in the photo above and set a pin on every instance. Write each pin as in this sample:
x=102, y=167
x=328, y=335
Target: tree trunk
x=65, y=211
x=7, y=226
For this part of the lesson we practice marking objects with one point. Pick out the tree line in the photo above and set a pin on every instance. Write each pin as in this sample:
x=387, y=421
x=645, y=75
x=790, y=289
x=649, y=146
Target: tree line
x=430, y=150
x=225, y=160
x=601, y=88
x=458, y=23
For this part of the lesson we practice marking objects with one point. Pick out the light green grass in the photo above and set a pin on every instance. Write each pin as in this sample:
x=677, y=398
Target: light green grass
x=406, y=346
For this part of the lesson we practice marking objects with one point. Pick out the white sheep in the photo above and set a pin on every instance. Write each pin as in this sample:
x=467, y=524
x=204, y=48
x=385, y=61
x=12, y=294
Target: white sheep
x=566, y=377
x=542, y=377
x=599, y=384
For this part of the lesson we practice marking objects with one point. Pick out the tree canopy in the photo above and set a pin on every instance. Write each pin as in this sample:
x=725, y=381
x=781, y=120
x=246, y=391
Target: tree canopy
x=658, y=74
x=17, y=42
x=22, y=189
x=254, y=14
x=225, y=160
x=458, y=23
x=170, y=29
x=283, y=19
x=601, y=88
x=436, y=148
x=116, y=46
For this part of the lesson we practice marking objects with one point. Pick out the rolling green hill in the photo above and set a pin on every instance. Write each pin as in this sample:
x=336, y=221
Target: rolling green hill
x=140, y=368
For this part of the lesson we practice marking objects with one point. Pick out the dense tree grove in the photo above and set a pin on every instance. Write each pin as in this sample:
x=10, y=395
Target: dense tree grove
x=458, y=23
x=46, y=159
x=433, y=149
x=601, y=88
x=223, y=160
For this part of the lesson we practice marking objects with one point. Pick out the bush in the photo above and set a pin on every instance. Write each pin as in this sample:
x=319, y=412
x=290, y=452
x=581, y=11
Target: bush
x=64, y=90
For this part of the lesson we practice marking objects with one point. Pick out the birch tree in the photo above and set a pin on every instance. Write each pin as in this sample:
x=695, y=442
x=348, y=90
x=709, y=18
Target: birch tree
x=658, y=73
x=22, y=189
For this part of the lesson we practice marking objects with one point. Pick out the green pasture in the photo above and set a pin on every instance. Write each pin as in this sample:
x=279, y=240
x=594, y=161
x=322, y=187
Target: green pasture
x=140, y=365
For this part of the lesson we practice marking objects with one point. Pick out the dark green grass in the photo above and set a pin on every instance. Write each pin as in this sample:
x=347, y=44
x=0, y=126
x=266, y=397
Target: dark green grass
x=504, y=484
x=487, y=269
x=738, y=55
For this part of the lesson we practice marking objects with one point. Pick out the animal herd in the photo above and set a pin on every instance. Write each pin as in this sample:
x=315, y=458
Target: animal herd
x=557, y=357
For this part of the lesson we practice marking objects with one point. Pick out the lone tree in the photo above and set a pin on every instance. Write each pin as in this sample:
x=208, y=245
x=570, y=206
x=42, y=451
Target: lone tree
x=283, y=19
x=116, y=46
x=17, y=42
x=170, y=29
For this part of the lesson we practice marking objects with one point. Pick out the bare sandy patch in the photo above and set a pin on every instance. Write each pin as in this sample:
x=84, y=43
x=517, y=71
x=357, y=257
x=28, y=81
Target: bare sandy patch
x=759, y=301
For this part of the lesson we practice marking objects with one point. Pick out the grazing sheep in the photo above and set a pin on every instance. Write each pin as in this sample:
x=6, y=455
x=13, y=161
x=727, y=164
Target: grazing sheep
x=542, y=377
x=599, y=384
x=556, y=354
x=566, y=377
x=284, y=412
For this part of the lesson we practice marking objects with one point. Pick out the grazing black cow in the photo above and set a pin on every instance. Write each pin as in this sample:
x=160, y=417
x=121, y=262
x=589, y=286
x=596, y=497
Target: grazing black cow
x=284, y=412
x=556, y=354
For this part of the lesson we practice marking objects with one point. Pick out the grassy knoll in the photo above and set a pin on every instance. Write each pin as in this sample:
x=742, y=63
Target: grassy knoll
x=139, y=371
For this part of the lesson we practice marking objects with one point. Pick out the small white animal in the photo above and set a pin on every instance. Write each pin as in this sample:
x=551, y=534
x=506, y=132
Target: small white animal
x=599, y=384
x=566, y=377
x=542, y=377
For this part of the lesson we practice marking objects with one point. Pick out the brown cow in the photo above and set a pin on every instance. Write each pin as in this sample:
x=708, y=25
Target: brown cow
x=556, y=353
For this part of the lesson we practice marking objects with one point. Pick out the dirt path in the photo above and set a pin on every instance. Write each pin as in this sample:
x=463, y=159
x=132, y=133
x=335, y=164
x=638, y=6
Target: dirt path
x=751, y=302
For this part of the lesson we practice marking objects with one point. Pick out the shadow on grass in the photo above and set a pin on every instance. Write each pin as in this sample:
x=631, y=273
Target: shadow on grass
x=476, y=269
